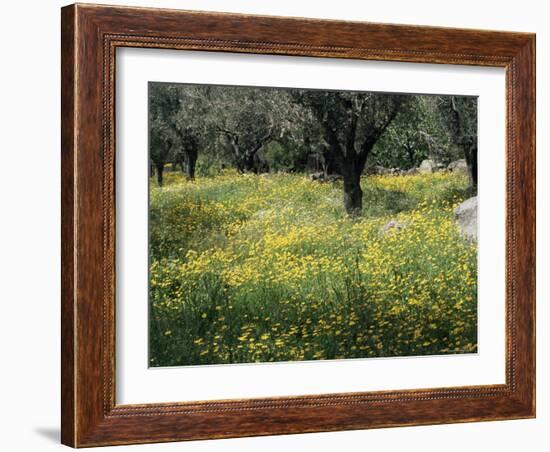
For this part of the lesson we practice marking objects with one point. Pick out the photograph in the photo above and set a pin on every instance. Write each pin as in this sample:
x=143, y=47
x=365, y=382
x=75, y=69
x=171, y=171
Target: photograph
x=295, y=224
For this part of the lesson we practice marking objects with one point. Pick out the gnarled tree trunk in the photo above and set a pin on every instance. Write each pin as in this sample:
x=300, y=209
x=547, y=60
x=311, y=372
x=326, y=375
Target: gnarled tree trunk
x=470, y=155
x=353, y=194
x=191, y=164
x=160, y=173
x=244, y=155
x=466, y=137
x=248, y=163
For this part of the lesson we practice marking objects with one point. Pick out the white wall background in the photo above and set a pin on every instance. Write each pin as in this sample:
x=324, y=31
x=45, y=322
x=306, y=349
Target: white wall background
x=29, y=226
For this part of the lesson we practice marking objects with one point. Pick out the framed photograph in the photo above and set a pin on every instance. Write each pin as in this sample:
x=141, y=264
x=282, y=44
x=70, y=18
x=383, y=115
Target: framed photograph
x=280, y=225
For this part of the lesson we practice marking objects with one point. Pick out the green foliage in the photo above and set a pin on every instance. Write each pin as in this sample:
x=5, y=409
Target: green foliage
x=277, y=157
x=274, y=129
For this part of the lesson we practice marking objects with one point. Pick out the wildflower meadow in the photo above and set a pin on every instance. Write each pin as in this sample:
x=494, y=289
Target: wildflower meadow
x=270, y=267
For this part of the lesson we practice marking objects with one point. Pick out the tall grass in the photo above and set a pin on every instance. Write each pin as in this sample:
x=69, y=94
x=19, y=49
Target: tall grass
x=269, y=268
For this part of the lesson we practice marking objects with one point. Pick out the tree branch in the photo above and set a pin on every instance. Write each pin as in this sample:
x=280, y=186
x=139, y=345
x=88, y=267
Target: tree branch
x=260, y=143
x=229, y=133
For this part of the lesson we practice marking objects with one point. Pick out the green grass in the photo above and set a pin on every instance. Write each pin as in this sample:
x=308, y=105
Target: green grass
x=269, y=268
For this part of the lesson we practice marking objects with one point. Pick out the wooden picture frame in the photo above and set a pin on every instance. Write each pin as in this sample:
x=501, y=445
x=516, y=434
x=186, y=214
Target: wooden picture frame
x=90, y=36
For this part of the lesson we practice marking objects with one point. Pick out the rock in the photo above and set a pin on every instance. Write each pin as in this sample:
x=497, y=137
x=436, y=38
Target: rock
x=369, y=171
x=320, y=177
x=377, y=170
x=458, y=166
x=317, y=176
x=334, y=178
x=466, y=217
x=263, y=213
x=427, y=167
x=393, y=224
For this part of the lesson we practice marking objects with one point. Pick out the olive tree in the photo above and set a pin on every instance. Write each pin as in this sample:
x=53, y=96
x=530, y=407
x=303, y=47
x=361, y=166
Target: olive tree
x=459, y=116
x=175, y=113
x=414, y=135
x=248, y=119
x=161, y=142
x=352, y=123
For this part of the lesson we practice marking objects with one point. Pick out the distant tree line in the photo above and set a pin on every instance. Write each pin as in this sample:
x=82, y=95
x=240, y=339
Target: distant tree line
x=204, y=128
